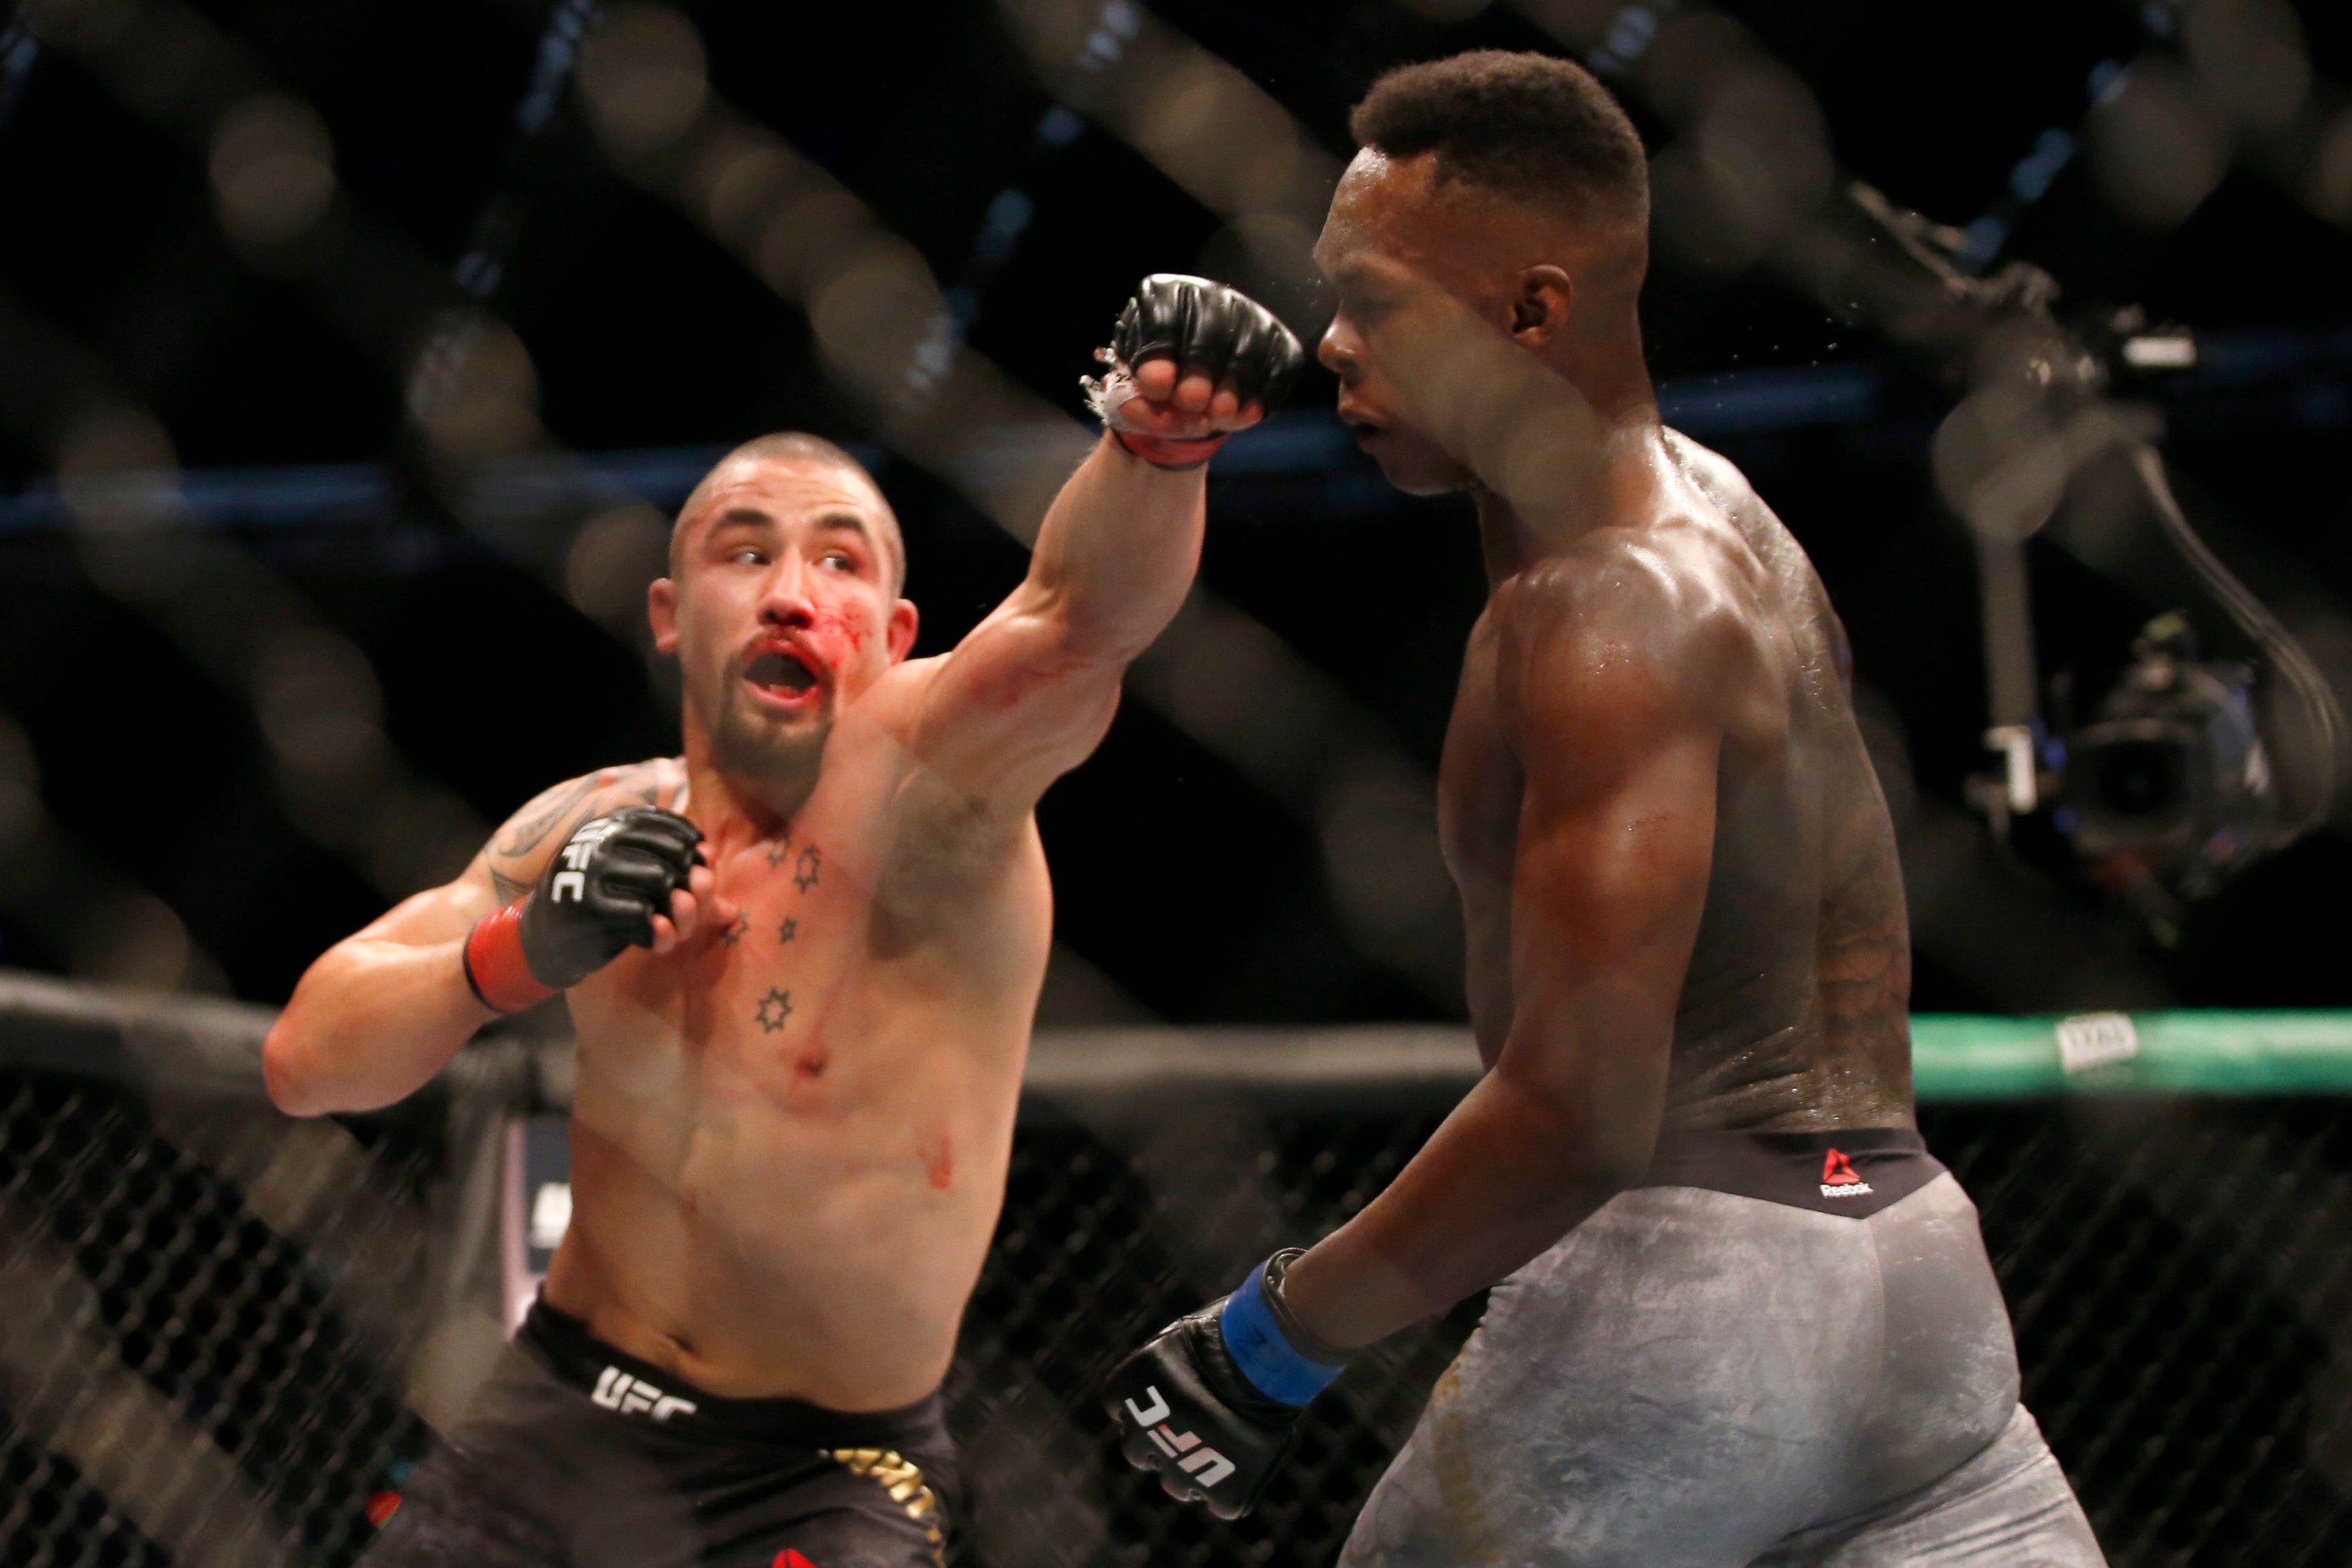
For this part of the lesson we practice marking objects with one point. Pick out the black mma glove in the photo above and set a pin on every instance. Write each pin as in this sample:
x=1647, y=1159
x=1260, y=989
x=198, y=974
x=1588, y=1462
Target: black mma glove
x=1213, y=1402
x=598, y=895
x=1208, y=330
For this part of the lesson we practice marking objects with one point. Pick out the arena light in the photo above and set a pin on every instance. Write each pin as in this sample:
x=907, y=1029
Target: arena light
x=18, y=50
x=644, y=76
x=2158, y=147
x=2250, y=59
x=273, y=170
x=313, y=690
x=270, y=160
x=2160, y=350
x=337, y=777
x=106, y=925
x=466, y=375
x=1227, y=142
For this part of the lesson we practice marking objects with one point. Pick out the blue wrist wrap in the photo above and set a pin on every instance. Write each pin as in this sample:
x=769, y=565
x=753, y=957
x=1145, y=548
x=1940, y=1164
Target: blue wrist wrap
x=1275, y=1367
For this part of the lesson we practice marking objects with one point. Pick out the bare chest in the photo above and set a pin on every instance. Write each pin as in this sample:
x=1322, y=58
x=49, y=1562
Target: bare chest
x=765, y=990
x=812, y=1000
x=752, y=1007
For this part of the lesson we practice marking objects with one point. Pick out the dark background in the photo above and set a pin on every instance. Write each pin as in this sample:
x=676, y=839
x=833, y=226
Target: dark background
x=1196, y=895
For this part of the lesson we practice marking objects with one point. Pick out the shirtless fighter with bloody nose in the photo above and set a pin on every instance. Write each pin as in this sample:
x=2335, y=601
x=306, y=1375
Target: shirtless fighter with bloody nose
x=1739, y=1316
x=803, y=961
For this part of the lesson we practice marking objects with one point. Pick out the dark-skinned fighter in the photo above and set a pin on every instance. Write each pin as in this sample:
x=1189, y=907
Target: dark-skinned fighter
x=1738, y=1314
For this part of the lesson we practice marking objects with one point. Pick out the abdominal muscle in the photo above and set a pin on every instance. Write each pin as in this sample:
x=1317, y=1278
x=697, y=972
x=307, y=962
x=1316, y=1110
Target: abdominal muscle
x=763, y=1229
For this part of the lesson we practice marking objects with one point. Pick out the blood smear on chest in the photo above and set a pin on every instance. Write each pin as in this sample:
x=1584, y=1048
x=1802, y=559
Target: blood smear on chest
x=938, y=1154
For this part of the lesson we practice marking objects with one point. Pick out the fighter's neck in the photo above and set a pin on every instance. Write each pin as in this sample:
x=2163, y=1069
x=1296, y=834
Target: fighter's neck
x=733, y=812
x=1624, y=486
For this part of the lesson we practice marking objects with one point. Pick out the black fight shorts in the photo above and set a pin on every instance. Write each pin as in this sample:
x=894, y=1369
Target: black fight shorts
x=575, y=1455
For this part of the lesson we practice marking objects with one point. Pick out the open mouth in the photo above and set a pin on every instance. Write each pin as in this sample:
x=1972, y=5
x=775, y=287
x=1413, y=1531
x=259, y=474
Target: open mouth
x=782, y=674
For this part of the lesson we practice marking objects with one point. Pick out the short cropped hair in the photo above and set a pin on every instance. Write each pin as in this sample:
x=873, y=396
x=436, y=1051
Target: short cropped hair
x=787, y=446
x=1529, y=126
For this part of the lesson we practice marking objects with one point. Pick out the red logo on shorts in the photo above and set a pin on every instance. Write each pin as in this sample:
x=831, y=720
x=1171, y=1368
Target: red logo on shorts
x=1837, y=1171
x=381, y=1507
x=788, y=1558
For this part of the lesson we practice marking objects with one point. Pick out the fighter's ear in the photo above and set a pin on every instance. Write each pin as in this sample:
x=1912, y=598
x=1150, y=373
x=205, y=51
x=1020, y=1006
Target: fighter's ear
x=661, y=612
x=903, y=622
x=1539, y=305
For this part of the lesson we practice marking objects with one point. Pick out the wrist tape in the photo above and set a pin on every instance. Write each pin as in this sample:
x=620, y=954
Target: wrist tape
x=1265, y=1346
x=1176, y=454
x=494, y=963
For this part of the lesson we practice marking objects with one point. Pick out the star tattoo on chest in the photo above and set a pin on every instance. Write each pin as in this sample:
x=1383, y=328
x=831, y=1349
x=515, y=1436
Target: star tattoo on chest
x=806, y=869
x=773, y=1009
x=788, y=930
x=780, y=847
x=735, y=932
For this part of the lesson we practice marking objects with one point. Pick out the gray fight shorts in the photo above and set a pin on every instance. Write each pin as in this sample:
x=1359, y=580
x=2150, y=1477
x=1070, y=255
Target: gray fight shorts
x=1695, y=1378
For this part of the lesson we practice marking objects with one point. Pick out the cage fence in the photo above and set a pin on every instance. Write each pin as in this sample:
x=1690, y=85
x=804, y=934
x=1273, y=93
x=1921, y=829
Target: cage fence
x=225, y=1334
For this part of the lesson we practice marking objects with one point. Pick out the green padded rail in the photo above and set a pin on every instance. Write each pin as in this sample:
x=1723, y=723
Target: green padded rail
x=1962, y=1056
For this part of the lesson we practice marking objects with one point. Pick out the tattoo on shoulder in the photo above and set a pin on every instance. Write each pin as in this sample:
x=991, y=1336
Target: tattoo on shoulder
x=508, y=889
x=539, y=819
x=806, y=869
x=558, y=807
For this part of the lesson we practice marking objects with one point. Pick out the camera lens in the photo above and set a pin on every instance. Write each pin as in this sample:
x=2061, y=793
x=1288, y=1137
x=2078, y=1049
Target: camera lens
x=2140, y=778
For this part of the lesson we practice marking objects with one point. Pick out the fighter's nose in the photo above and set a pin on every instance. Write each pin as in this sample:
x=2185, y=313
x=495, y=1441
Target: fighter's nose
x=1334, y=357
x=786, y=602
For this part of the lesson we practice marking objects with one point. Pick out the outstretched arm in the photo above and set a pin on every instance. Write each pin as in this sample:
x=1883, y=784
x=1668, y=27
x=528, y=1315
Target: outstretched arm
x=1029, y=693
x=1616, y=837
x=385, y=1008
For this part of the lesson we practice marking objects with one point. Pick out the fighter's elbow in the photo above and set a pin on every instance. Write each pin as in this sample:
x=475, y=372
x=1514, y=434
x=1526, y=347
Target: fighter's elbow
x=293, y=1087
x=1603, y=1161
x=1588, y=1148
x=1098, y=638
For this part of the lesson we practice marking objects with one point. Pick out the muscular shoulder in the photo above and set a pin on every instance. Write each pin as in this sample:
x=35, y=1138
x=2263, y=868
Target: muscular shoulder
x=1713, y=472
x=893, y=703
x=517, y=851
x=1803, y=603
x=1654, y=617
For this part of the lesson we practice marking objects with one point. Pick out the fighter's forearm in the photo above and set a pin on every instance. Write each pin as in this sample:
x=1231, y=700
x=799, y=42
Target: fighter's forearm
x=1118, y=550
x=1508, y=1173
x=370, y=1023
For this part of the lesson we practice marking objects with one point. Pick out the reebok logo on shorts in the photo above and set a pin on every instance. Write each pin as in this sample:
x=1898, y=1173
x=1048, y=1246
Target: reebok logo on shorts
x=1838, y=1178
x=617, y=1390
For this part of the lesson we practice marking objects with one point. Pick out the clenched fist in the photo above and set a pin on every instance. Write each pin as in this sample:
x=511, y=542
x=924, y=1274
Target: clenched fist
x=600, y=893
x=1191, y=361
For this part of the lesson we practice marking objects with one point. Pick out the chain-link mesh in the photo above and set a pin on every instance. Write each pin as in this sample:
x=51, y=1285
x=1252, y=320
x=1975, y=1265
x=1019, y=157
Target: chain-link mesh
x=210, y=1310
x=2180, y=1275
x=178, y=1368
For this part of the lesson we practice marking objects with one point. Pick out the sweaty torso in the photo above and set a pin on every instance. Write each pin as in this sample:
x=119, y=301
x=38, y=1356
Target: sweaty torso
x=789, y=1136
x=1794, y=1010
